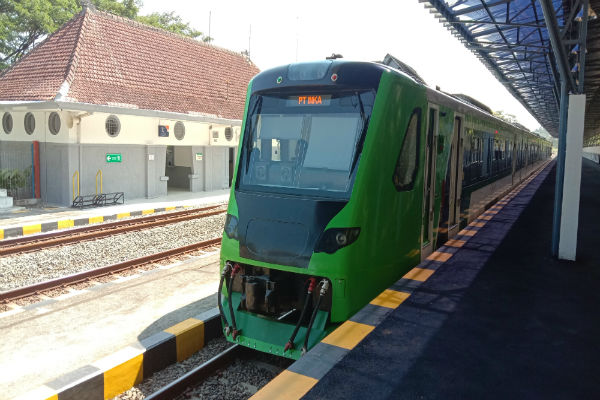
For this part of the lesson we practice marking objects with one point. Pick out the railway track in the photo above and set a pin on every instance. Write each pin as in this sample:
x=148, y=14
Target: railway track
x=200, y=373
x=235, y=373
x=91, y=232
x=85, y=276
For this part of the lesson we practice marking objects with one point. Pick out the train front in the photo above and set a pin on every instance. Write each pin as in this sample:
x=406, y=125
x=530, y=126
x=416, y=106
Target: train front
x=284, y=251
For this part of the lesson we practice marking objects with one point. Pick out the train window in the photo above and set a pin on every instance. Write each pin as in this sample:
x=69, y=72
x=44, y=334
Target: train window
x=288, y=142
x=408, y=159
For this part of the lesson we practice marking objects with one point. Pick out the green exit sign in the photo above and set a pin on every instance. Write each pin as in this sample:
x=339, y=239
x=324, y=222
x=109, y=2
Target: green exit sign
x=113, y=157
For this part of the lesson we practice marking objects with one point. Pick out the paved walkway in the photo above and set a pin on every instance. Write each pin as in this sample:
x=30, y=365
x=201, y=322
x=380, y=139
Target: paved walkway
x=50, y=339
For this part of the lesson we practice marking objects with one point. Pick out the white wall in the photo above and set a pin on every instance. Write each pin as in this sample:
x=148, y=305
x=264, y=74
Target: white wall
x=89, y=128
x=41, y=132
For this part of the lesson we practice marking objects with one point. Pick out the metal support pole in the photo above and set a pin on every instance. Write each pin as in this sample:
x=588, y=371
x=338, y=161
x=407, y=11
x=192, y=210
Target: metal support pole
x=560, y=166
x=557, y=45
x=583, y=43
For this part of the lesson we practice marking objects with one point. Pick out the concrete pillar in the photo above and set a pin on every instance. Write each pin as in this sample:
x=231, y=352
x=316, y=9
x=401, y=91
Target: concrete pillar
x=567, y=248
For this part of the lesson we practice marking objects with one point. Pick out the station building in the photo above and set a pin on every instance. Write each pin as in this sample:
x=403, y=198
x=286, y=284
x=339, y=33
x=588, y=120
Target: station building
x=108, y=104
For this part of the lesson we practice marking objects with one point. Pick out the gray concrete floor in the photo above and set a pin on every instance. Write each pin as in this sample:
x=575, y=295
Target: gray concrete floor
x=49, y=340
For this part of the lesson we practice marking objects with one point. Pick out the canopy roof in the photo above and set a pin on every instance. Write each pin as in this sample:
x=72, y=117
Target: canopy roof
x=512, y=39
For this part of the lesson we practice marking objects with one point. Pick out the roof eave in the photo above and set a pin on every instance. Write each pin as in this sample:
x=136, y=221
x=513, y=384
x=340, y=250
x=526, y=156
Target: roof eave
x=87, y=107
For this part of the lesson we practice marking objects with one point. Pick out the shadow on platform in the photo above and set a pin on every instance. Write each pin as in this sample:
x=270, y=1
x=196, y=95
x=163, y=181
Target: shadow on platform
x=526, y=326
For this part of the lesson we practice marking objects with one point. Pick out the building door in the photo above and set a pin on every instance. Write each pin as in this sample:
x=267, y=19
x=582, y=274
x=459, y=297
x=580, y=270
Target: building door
x=429, y=184
x=455, y=189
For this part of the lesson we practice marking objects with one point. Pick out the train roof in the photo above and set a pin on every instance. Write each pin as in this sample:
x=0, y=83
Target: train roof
x=368, y=74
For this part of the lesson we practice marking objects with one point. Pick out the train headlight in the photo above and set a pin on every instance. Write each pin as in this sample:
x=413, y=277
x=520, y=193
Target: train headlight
x=231, y=224
x=334, y=239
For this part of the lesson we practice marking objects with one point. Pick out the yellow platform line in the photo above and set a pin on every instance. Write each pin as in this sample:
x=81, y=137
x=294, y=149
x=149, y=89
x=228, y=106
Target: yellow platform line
x=348, y=335
x=390, y=298
x=66, y=223
x=123, y=215
x=123, y=377
x=95, y=220
x=287, y=385
x=146, y=212
x=465, y=232
x=419, y=274
x=189, y=337
x=31, y=229
x=439, y=256
x=455, y=243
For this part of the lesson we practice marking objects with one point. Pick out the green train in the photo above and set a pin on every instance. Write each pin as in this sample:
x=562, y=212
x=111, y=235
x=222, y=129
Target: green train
x=348, y=175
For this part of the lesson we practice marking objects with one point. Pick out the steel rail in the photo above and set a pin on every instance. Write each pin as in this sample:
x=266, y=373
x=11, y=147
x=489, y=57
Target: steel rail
x=84, y=276
x=199, y=374
x=24, y=244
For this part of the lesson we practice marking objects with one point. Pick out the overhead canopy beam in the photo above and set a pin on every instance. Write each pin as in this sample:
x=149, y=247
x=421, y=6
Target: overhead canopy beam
x=557, y=47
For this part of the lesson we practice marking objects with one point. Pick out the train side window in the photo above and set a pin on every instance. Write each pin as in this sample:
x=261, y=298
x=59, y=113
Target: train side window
x=406, y=168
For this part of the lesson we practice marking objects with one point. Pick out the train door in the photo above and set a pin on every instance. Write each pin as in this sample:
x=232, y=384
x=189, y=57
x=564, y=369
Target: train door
x=514, y=159
x=429, y=184
x=455, y=189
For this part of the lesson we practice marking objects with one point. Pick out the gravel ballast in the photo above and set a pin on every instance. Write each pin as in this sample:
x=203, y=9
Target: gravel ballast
x=29, y=268
x=238, y=381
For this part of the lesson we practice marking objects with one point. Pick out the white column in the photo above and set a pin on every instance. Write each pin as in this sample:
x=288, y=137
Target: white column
x=567, y=247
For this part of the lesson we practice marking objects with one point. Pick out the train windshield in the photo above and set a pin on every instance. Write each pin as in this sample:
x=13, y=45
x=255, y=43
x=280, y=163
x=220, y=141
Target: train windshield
x=304, y=143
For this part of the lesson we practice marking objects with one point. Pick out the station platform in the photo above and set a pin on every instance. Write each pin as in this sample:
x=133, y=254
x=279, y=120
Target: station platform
x=95, y=343
x=21, y=221
x=489, y=315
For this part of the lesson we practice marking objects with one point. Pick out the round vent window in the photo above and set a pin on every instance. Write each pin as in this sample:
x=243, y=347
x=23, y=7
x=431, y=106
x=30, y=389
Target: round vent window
x=54, y=123
x=228, y=133
x=179, y=130
x=112, y=125
x=7, y=123
x=29, y=123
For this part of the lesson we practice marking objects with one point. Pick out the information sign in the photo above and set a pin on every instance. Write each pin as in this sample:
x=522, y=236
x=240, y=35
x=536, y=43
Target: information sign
x=113, y=157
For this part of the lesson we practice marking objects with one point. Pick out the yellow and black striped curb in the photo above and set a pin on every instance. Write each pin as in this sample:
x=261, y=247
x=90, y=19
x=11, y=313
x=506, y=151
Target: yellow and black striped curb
x=70, y=223
x=302, y=375
x=114, y=374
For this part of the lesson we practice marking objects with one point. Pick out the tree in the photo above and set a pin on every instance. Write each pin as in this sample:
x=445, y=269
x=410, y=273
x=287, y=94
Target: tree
x=542, y=132
x=24, y=23
x=172, y=23
x=510, y=118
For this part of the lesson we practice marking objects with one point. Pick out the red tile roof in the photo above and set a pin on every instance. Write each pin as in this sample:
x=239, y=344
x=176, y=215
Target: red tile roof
x=106, y=59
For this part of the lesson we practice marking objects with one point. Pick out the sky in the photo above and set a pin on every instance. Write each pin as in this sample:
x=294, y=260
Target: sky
x=282, y=32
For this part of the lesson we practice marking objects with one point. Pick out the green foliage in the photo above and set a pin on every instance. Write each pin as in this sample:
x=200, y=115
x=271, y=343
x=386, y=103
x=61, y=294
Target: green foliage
x=543, y=133
x=124, y=8
x=510, y=118
x=24, y=23
x=14, y=179
x=172, y=23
